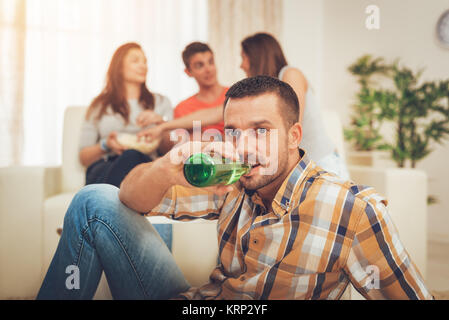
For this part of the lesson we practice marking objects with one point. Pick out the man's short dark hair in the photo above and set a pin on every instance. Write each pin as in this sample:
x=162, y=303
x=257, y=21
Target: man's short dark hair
x=192, y=49
x=255, y=86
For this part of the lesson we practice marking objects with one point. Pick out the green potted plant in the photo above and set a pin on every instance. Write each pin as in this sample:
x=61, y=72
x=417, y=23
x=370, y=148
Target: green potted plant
x=418, y=110
x=372, y=107
x=421, y=116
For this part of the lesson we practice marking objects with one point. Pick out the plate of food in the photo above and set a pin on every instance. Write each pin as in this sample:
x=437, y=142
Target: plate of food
x=130, y=141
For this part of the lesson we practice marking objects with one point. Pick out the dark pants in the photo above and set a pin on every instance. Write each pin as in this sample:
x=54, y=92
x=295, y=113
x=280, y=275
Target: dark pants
x=114, y=169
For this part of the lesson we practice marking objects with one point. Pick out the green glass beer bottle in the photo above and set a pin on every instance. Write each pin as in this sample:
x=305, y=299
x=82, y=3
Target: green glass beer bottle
x=202, y=170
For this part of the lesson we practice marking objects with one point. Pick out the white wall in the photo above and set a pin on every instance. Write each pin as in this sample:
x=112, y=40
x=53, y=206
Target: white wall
x=302, y=38
x=334, y=35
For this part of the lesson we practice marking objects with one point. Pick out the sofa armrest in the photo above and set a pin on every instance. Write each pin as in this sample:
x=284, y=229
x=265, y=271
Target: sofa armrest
x=22, y=192
x=40, y=181
x=52, y=181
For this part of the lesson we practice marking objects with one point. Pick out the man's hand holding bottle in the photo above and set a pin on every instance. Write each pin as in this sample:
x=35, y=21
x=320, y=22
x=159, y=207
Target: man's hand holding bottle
x=173, y=162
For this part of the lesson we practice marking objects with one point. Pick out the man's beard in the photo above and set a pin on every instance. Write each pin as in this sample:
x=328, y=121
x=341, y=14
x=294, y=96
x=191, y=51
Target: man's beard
x=253, y=184
x=259, y=181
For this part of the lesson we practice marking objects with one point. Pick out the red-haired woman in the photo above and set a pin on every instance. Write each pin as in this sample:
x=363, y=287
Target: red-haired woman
x=124, y=106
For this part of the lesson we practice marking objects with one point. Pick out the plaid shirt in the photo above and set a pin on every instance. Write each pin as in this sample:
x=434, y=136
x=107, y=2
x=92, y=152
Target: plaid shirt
x=322, y=233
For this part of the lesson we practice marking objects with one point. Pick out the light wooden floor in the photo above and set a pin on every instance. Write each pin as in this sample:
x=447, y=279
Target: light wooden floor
x=437, y=278
x=438, y=269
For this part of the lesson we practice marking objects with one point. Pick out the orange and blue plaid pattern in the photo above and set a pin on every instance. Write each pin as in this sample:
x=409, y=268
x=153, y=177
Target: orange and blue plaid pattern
x=322, y=233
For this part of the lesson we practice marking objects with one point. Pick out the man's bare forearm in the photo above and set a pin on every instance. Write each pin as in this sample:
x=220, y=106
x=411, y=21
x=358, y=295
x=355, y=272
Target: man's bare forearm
x=144, y=186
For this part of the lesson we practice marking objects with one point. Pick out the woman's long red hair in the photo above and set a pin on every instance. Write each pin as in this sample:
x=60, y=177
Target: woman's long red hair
x=114, y=94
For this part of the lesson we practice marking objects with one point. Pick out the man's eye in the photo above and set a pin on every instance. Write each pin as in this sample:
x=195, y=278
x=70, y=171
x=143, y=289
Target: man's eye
x=233, y=133
x=261, y=130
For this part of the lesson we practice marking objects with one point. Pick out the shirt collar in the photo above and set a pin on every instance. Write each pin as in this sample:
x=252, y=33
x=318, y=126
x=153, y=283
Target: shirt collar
x=283, y=201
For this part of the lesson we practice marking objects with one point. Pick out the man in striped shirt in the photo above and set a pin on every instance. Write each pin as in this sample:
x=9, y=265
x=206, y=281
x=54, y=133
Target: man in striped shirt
x=286, y=230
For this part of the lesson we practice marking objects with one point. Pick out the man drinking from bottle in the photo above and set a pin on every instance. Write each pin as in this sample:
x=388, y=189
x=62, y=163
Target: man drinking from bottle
x=297, y=232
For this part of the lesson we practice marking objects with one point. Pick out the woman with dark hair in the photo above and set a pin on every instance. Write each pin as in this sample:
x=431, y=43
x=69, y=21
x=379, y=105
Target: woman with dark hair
x=262, y=55
x=124, y=108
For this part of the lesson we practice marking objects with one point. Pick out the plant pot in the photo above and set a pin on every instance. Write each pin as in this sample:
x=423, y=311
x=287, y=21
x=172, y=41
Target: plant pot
x=406, y=192
x=377, y=158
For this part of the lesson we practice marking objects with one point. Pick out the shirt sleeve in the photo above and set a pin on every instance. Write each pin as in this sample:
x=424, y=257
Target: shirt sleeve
x=184, y=204
x=89, y=134
x=164, y=108
x=177, y=113
x=378, y=265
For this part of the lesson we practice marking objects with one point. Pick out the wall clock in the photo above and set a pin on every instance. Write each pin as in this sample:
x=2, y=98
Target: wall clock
x=442, y=30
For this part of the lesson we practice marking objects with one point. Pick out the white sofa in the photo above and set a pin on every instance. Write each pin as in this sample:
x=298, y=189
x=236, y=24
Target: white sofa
x=33, y=201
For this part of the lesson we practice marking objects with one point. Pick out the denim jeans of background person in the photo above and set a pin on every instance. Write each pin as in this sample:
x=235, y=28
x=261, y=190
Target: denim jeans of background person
x=297, y=233
x=112, y=169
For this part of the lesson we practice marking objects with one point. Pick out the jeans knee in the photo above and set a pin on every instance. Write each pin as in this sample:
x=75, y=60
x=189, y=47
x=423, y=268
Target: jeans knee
x=95, y=191
x=92, y=197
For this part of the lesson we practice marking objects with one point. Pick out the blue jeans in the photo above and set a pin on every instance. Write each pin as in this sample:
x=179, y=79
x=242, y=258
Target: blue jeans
x=101, y=234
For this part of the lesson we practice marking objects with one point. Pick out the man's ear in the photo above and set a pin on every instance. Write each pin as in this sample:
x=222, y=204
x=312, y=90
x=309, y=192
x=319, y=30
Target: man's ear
x=294, y=136
x=187, y=71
